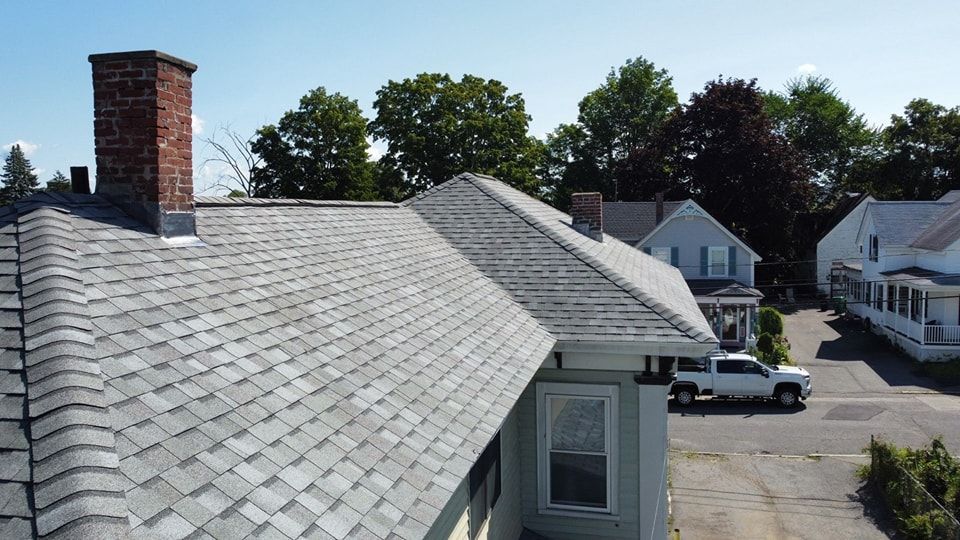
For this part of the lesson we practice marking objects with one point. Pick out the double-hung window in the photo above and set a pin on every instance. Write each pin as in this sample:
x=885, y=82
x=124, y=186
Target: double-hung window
x=662, y=253
x=577, y=445
x=718, y=260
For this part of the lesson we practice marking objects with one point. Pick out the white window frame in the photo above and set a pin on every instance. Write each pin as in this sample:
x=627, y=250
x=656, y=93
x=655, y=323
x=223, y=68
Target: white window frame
x=610, y=394
x=726, y=260
x=661, y=253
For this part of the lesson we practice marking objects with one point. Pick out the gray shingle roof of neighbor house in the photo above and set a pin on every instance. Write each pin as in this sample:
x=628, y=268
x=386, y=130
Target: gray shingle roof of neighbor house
x=633, y=221
x=943, y=232
x=582, y=290
x=900, y=223
x=306, y=368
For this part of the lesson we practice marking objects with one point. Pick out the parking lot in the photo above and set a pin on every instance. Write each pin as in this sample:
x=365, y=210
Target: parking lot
x=860, y=388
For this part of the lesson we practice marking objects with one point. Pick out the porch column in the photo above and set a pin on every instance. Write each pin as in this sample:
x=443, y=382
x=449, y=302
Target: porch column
x=909, y=303
x=923, y=318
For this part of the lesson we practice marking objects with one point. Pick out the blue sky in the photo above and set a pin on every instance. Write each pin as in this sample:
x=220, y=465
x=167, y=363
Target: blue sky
x=257, y=58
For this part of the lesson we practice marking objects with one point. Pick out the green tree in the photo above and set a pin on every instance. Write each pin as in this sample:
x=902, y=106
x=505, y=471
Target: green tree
x=722, y=150
x=626, y=112
x=318, y=151
x=436, y=128
x=921, y=153
x=19, y=181
x=59, y=182
x=832, y=137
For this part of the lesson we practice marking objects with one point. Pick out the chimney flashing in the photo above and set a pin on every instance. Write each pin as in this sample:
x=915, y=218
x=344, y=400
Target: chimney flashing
x=587, y=213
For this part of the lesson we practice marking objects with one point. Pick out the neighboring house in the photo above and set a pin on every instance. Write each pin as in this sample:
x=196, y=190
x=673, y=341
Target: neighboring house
x=462, y=365
x=717, y=266
x=839, y=242
x=906, y=283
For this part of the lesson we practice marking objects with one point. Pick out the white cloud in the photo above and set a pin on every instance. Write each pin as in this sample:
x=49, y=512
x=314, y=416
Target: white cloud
x=38, y=171
x=806, y=69
x=197, y=124
x=27, y=147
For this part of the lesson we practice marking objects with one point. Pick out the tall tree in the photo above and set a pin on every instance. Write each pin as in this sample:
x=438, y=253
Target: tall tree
x=318, y=151
x=722, y=150
x=436, y=128
x=234, y=159
x=19, y=181
x=59, y=182
x=626, y=112
x=832, y=137
x=921, y=153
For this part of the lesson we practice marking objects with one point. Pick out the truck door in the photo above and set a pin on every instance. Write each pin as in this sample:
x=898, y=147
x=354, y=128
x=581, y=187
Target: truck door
x=729, y=378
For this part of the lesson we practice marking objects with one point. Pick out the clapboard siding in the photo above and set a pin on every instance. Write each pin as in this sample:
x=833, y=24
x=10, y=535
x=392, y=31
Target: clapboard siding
x=505, y=518
x=559, y=527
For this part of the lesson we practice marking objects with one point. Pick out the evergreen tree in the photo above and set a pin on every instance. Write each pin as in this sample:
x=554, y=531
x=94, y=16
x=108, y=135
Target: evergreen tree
x=18, y=178
x=59, y=182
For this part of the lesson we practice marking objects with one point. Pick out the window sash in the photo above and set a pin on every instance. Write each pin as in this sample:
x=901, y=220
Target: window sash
x=547, y=394
x=717, y=260
x=661, y=253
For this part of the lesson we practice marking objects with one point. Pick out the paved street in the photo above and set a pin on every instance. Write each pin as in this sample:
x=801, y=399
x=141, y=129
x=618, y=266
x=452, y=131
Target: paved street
x=860, y=388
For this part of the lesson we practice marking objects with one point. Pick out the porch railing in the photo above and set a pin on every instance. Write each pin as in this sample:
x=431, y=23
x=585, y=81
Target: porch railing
x=941, y=335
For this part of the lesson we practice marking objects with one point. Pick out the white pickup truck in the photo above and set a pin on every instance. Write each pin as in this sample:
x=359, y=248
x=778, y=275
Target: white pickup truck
x=739, y=375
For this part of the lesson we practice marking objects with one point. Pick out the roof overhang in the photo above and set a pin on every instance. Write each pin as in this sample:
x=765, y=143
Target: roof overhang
x=638, y=348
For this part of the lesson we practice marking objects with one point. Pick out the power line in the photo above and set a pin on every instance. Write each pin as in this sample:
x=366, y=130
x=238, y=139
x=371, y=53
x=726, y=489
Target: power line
x=795, y=261
x=844, y=283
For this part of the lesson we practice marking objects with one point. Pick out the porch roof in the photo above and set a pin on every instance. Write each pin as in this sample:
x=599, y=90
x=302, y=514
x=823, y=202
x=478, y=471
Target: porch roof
x=923, y=278
x=721, y=287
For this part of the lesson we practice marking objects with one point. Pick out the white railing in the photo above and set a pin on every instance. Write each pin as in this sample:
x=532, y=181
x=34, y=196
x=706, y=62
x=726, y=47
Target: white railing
x=941, y=335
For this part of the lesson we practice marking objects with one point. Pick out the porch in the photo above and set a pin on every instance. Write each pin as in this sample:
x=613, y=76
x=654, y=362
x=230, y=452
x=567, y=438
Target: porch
x=922, y=305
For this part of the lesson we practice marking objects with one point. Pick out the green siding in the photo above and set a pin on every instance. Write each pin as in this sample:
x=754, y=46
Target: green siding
x=554, y=526
x=505, y=517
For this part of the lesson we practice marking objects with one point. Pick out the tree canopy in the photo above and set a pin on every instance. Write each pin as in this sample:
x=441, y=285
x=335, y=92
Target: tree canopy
x=19, y=180
x=318, y=151
x=626, y=112
x=435, y=128
x=59, y=182
x=831, y=136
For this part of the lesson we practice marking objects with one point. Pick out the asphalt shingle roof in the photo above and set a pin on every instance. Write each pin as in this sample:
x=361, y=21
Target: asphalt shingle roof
x=633, y=221
x=900, y=223
x=307, y=368
x=582, y=290
x=943, y=232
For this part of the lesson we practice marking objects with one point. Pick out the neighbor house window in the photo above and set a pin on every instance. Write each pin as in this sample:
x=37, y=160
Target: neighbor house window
x=484, y=486
x=662, y=253
x=578, y=444
x=874, y=247
x=718, y=261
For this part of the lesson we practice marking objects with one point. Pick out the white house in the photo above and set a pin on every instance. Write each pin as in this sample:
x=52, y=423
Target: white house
x=839, y=243
x=907, y=282
x=716, y=264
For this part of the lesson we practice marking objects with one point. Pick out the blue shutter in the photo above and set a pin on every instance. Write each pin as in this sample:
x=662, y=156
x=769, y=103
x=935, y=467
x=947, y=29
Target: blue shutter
x=646, y=250
x=675, y=256
x=732, y=261
x=703, y=260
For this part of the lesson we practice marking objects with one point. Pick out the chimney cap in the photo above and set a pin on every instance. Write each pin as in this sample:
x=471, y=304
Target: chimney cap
x=142, y=55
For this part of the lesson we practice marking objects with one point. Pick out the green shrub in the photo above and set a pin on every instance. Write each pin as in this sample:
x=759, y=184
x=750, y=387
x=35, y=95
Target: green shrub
x=893, y=471
x=770, y=321
x=765, y=345
x=781, y=353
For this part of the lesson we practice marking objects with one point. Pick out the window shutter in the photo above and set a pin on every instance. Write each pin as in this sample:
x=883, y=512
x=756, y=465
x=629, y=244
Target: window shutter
x=732, y=261
x=675, y=256
x=703, y=260
x=646, y=250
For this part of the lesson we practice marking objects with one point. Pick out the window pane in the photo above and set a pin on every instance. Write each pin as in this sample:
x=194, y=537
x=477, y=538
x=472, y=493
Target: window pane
x=578, y=424
x=661, y=253
x=718, y=261
x=578, y=480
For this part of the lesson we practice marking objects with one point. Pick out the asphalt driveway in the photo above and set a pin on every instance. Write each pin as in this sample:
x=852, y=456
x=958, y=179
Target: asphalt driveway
x=761, y=482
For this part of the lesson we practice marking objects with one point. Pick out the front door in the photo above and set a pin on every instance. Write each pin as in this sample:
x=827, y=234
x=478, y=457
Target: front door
x=730, y=324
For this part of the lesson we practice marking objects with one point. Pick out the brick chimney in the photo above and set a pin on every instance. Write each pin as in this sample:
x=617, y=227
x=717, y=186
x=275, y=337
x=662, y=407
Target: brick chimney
x=659, y=198
x=144, y=137
x=587, y=213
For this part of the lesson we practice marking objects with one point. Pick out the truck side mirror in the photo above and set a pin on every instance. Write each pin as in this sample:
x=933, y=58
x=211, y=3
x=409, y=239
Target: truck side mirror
x=765, y=372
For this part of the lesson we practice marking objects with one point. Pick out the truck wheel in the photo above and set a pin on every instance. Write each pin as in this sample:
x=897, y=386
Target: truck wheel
x=684, y=396
x=787, y=398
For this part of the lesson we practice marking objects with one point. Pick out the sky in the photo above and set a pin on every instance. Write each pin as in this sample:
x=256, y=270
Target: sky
x=256, y=59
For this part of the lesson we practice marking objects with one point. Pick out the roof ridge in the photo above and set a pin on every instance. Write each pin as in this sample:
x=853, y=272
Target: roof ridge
x=439, y=187
x=70, y=489
x=606, y=271
x=215, y=201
